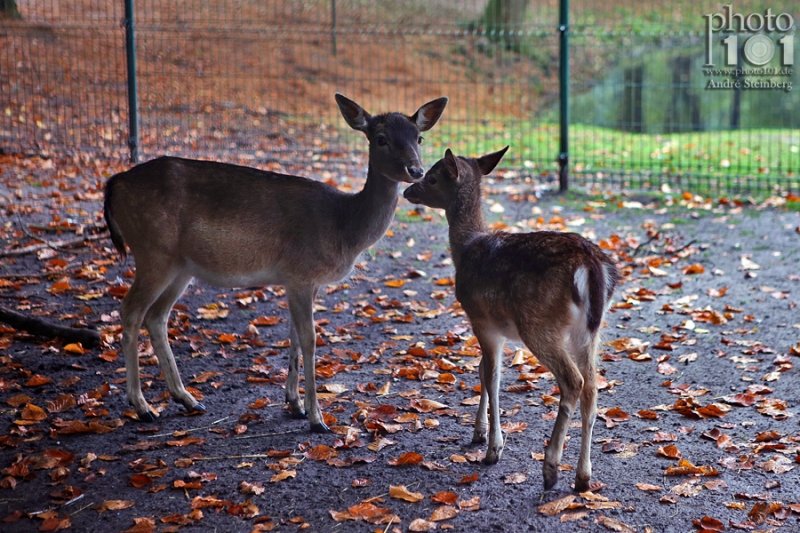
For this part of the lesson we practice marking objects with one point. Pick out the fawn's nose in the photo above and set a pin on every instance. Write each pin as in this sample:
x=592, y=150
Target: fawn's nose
x=415, y=172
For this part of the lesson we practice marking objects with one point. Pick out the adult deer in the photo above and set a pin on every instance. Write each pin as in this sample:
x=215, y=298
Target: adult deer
x=548, y=289
x=235, y=226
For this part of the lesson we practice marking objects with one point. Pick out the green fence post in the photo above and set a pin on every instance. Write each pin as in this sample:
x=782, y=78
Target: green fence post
x=133, y=103
x=563, y=92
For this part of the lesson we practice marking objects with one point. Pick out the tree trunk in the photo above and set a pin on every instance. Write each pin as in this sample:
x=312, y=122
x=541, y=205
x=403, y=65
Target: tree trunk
x=9, y=9
x=502, y=17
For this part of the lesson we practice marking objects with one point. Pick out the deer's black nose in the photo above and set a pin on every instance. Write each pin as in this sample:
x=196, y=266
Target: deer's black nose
x=415, y=172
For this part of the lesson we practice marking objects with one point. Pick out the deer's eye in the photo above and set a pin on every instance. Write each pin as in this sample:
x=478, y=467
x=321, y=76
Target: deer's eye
x=381, y=140
x=420, y=139
x=432, y=181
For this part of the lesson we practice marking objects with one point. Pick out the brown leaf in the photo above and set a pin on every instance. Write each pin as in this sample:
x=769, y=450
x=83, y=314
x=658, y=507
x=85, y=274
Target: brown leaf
x=670, y=451
x=283, y=474
x=447, y=498
x=445, y=512
x=142, y=525
x=420, y=524
x=556, y=506
x=515, y=478
x=114, y=505
x=401, y=492
x=33, y=413
x=649, y=487
x=408, y=458
x=320, y=452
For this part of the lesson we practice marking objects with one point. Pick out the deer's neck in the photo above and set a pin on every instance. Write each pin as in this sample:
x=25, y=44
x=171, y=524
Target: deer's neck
x=465, y=218
x=370, y=211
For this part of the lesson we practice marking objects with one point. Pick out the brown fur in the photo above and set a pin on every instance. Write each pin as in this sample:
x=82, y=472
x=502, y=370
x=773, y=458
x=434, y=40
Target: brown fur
x=547, y=289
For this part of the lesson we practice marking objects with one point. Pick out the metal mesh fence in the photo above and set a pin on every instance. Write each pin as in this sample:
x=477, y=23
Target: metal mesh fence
x=253, y=80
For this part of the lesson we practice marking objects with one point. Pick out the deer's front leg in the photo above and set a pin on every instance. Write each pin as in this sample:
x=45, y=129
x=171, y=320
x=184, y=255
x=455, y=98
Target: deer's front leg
x=492, y=347
x=301, y=307
x=293, y=379
x=482, y=417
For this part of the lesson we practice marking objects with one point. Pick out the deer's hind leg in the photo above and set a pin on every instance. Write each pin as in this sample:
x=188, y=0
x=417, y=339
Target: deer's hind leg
x=156, y=323
x=550, y=349
x=585, y=351
x=146, y=289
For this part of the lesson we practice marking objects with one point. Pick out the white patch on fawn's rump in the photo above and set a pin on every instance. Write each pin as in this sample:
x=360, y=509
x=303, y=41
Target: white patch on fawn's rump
x=581, y=280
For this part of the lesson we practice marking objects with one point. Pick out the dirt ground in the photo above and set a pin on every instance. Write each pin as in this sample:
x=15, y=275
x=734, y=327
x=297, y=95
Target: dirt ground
x=699, y=400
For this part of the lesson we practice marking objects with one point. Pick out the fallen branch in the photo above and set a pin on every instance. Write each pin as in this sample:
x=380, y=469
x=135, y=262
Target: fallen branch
x=36, y=326
x=55, y=245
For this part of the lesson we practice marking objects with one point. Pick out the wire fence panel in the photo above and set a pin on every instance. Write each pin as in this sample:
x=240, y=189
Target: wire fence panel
x=253, y=81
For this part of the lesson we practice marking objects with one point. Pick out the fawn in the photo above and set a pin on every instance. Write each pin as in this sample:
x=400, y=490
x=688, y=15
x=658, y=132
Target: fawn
x=547, y=289
x=235, y=226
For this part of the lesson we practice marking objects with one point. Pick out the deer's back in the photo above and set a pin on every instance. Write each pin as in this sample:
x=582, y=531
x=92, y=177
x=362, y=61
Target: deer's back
x=504, y=276
x=226, y=221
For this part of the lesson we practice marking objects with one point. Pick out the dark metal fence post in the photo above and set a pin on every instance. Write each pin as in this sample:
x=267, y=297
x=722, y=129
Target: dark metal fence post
x=133, y=102
x=563, y=90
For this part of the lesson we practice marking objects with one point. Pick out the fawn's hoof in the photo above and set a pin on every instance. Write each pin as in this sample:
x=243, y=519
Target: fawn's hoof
x=320, y=428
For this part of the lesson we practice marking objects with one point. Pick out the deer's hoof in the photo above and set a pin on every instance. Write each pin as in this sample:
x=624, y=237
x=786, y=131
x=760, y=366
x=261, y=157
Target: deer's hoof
x=147, y=417
x=550, y=479
x=197, y=408
x=298, y=414
x=479, y=438
x=320, y=428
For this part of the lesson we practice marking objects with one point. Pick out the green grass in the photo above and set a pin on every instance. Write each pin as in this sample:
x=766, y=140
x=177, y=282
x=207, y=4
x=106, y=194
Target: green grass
x=714, y=161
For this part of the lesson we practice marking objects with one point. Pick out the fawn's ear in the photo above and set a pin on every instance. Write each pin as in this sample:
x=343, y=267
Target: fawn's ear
x=428, y=115
x=353, y=113
x=451, y=165
x=487, y=162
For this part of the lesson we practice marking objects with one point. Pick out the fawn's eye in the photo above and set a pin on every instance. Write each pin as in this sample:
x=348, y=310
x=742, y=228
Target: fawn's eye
x=381, y=140
x=420, y=139
x=432, y=181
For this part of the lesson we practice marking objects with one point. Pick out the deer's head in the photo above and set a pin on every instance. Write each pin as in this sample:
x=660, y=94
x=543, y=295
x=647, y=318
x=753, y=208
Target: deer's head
x=448, y=176
x=394, y=138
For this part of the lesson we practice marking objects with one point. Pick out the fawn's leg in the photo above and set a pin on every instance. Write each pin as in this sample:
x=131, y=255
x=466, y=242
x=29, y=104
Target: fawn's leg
x=554, y=356
x=587, y=361
x=491, y=367
x=301, y=302
x=156, y=323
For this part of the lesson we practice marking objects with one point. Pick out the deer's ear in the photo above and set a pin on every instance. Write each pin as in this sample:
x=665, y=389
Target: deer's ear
x=487, y=162
x=451, y=165
x=353, y=113
x=428, y=115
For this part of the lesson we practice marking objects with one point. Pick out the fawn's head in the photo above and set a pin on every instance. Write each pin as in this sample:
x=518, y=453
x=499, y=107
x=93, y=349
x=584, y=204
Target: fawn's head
x=394, y=138
x=449, y=175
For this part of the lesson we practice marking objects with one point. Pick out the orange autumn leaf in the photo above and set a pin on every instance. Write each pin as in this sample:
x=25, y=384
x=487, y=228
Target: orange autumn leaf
x=445, y=282
x=265, y=321
x=33, y=413
x=37, y=381
x=283, y=474
x=76, y=348
x=556, y=506
x=114, y=505
x=320, y=452
x=670, y=451
x=227, y=338
x=395, y=283
x=447, y=498
x=695, y=268
x=408, y=458
x=401, y=492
